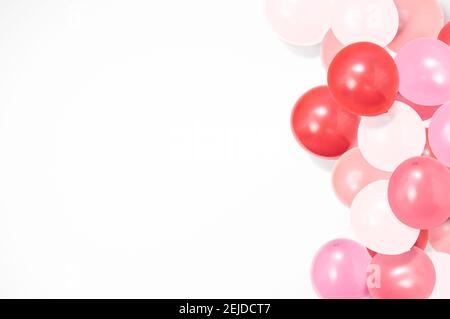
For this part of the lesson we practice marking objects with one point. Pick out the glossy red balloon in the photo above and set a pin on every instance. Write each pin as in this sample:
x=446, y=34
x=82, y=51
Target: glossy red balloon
x=321, y=126
x=410, y=275
x=363, y=78
x=444, y=35
x=418, y=192
x=421, y=242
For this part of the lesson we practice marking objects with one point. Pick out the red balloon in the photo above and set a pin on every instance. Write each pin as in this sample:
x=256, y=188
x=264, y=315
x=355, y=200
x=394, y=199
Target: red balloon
x=419, y=192
x=321, y=126
x=444, y=35
x=421, y=242
x=425, y=112
x=410, y=275
x=363, y=78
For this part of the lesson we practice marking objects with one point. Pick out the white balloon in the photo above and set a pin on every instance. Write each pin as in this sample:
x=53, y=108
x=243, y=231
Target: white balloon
x=441, y=262
x=376, y=226
x=389, y=139
x=374, y=21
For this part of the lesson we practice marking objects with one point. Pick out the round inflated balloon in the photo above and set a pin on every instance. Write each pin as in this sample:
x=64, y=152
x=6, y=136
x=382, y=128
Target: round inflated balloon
x=439, y=134
x=440, y=238
x=387, y=140
x=425, y=112
x=363, y=78
x=352, y=173
x=321, y=126
x=339, y=270
x=418, y=19
x=329, y=48
x=419, y=192
x=365, y=20
x=410, y=275
x=424, y=68
x=376, y=226
x=421, y=242
x=441, y=264
x=300, y=22
x=444, y=35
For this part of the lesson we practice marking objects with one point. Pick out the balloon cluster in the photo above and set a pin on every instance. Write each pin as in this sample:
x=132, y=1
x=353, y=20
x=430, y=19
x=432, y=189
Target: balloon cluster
x=388, y=64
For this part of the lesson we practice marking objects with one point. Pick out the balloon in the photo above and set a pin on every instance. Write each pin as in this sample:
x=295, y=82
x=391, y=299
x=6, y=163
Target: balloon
x=424, y=68
x=440, y=134
x=363, y=78
x=444, y=35
x=410, y=275
x=441, y=264
x=352, y=173
x=421, y=242
x=440, y=238
x=365, y=20
x=427, y=151
x=321, y=126
x=418, y=19
x=339, y=270
x=425, y=112
x=387, y=140
x=330, y=47
x=419, y=193
x=300, y=22
x=376, y=226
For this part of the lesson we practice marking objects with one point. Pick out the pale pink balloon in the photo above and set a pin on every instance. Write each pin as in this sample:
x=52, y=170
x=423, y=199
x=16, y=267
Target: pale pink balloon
x=439, y=134
x=418, y=19
x=339, y=270
x=387, y=140
x=424, y=68
x=410, y=275
x=439, y=238
x=441, y=262
x=330, y=47
x=352, y=173
x=425, y=112
x=300, y=22
x=376, y=226
x=365, y=21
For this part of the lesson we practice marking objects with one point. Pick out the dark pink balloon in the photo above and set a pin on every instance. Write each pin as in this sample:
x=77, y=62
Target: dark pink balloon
x=419, y=193
x=410, y=275
x=339, y=270
x=425, y=112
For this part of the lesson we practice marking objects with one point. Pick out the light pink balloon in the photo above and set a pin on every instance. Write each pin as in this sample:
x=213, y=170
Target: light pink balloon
x=376, y=226
x=365, y=21
x=424, y=68
x=418, y=19
x=339, y=270
x=441, y=262
x=352, y=173
x=300, y=22
x=439, y=238
x=330, y=47
x=410, y=275
x=439, y=134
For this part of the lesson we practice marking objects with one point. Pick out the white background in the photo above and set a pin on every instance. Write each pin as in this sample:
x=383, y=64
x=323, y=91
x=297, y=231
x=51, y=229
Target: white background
x=146, y=151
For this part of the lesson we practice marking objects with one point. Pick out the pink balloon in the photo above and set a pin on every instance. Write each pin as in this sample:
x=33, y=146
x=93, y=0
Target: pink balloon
x=418, y=19
x=419, y=193
x=425, y=112
x=339, y=270
x=300, y=22
x=439, y=134
x=410, y=275
x=439, y=238
x=330, y=47
x=424, y=68
x=352, y=173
